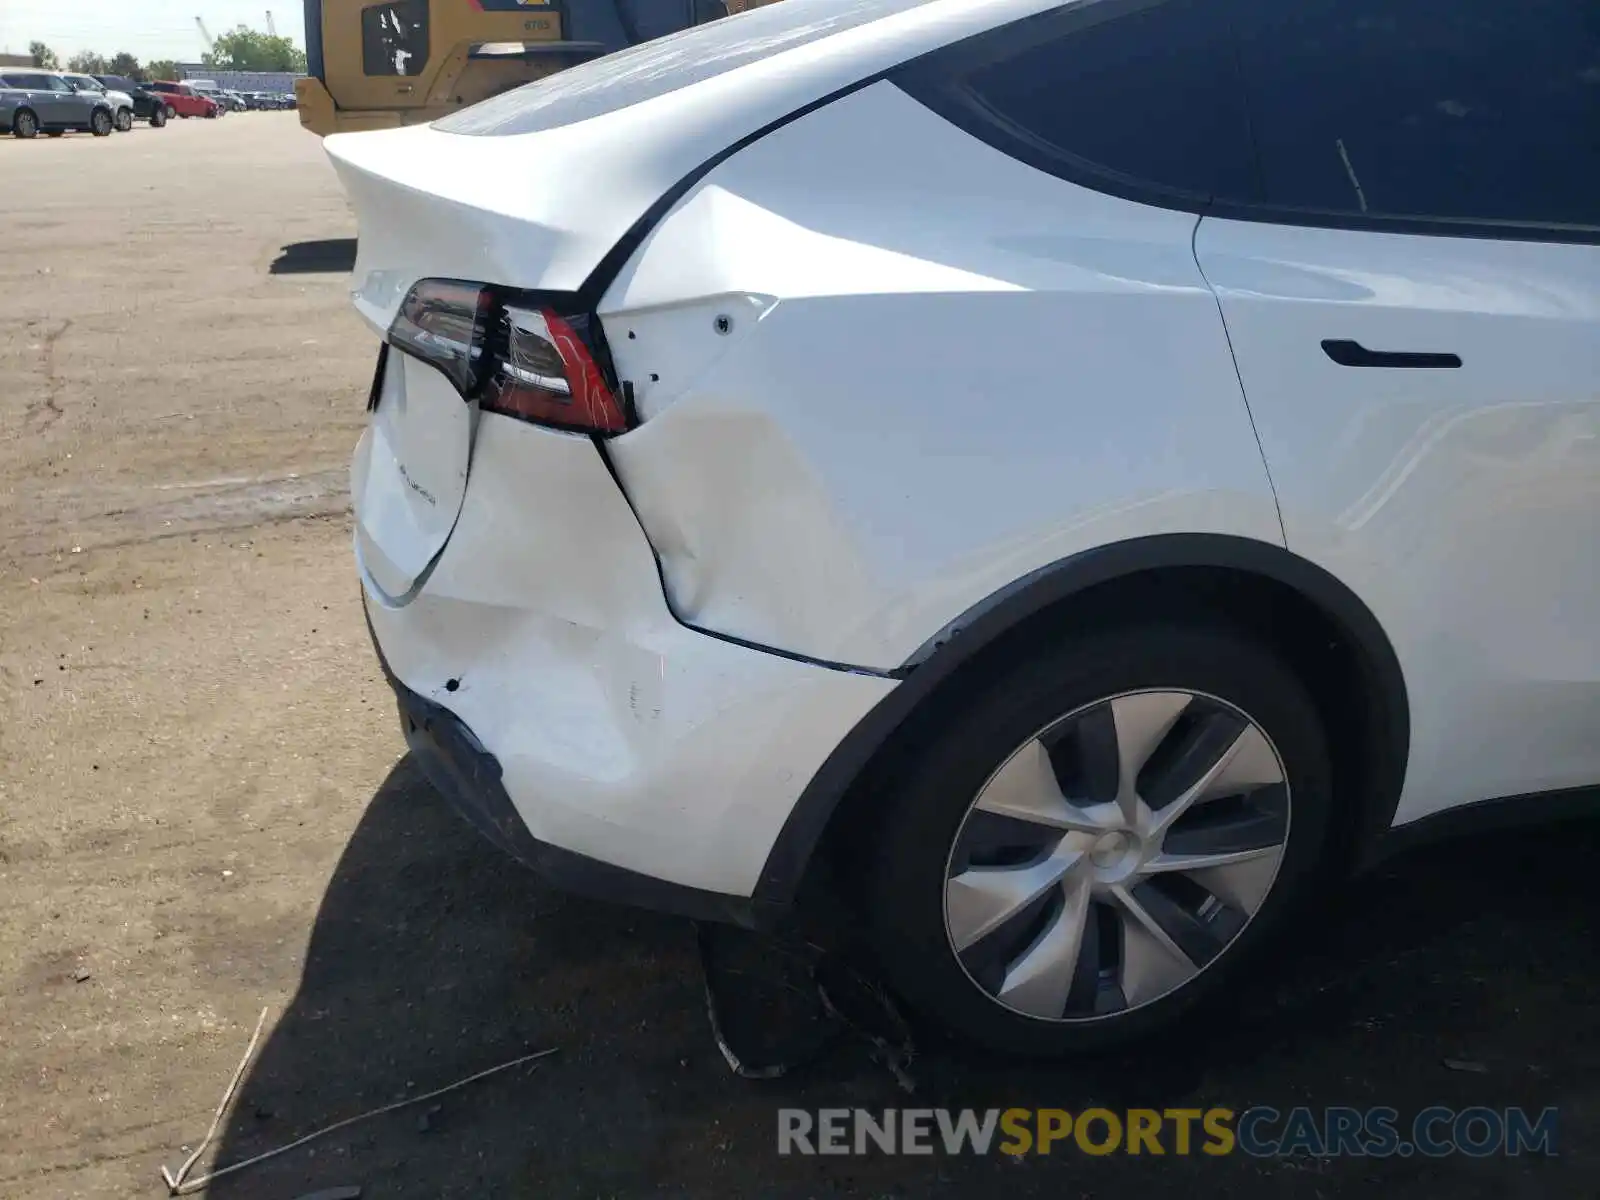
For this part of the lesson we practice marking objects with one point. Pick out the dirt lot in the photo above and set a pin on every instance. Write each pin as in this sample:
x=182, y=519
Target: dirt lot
x=204, y=812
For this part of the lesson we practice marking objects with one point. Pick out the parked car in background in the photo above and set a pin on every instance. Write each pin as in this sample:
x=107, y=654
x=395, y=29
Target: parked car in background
x=121, y=101
x=209, y=89
x=182, y=100
x=42, y=101
x=147, y=105
x=235, y=100
x=10, y=100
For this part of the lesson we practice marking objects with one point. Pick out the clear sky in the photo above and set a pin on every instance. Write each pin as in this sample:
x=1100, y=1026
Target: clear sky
x=151, y=29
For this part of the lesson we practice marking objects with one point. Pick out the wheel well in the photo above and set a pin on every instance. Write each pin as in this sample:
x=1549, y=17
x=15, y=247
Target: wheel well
x=1351, y=682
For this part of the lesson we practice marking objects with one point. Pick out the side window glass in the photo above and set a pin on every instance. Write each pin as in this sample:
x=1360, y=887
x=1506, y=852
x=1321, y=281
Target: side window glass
x=394, y=38
x=1141, y=93
x=1450, y=110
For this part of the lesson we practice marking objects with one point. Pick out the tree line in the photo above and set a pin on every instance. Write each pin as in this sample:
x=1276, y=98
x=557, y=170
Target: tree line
x=241, y=49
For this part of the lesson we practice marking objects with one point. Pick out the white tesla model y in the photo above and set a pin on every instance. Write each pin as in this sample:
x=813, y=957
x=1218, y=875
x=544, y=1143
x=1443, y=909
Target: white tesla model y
x=1080, y=474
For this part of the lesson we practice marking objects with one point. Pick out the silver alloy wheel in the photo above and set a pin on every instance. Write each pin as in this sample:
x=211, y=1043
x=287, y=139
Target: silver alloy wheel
x=1115, y=854
x=124, y=120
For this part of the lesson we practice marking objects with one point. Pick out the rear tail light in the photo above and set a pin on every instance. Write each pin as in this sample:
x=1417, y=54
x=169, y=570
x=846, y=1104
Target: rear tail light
x=445, y=324
x=516, y=356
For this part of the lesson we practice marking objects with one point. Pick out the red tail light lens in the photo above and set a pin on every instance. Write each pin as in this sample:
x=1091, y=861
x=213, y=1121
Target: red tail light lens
x=519, y=358
x=547, y=374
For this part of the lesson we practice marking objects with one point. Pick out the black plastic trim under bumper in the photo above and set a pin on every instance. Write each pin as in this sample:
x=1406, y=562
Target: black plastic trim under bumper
x=453, y=760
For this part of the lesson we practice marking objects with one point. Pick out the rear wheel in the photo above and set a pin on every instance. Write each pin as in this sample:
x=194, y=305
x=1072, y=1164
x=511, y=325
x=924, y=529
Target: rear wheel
x=101, y=123
x=172, y=112
x=158, y=117
x=1099, y=839
x=24, y=123
x=124, y=120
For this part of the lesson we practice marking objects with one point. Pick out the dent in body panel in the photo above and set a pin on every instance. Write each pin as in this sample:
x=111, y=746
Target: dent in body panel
x=621, y=734
x=965, y=370
x=1463, y=506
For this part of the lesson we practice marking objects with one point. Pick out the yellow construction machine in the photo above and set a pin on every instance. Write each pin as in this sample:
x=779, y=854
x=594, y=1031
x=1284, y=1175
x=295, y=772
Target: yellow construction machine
x=374, y=64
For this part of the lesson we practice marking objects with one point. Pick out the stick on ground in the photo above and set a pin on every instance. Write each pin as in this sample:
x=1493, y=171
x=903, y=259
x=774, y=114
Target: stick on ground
x=178, y=1185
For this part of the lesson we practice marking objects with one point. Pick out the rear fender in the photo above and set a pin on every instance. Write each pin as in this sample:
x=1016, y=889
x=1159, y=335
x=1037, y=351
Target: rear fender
x=885, y=370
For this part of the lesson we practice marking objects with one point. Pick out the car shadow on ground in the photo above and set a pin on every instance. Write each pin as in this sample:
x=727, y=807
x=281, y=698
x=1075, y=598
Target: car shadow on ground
x=330, y=256
x=1461, y=975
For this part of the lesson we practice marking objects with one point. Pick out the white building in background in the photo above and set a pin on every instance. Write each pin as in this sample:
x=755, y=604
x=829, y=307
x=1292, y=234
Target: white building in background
x=241, y=81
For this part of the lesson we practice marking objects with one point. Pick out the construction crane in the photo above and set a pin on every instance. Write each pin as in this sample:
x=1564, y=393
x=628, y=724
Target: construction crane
x=205, y=36
x=272, y=29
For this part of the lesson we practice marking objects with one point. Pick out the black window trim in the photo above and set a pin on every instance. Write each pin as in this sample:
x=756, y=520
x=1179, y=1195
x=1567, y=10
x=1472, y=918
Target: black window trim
x=929, y=80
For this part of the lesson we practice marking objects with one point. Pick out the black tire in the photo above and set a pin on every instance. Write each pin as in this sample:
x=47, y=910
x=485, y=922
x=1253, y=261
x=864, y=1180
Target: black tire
x=211, y=114
x=158, y=117
x=124, y=121
x=171, y=112
x=904, y=883
x=101, y=123
x=25, y=123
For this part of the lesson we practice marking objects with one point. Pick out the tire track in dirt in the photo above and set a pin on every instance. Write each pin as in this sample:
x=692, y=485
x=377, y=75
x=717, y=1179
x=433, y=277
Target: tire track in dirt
x=207, y=508
x=44, y=412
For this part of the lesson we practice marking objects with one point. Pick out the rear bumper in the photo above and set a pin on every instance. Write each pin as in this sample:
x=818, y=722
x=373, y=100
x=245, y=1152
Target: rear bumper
x=458, y=766
x=550, y=694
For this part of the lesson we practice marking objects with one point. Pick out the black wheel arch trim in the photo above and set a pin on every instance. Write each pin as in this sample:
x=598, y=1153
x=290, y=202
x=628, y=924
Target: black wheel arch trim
x=966, y=637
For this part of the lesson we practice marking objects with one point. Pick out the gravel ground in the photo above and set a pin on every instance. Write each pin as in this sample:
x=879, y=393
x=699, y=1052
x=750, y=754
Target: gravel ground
x=204, y=811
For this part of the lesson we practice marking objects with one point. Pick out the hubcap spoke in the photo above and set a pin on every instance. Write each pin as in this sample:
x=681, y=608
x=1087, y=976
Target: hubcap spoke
x=1153, y=963
x=981, y=899
x=1232, y=854
x=1039, y=982
x=1142, y=721
x=1242, y=886
x=1026, y=789
x=1198, y=862
x=1231, y=756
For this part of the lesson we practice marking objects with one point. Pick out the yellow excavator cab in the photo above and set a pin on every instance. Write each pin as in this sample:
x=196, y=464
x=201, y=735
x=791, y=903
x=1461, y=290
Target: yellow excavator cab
x=374, y=64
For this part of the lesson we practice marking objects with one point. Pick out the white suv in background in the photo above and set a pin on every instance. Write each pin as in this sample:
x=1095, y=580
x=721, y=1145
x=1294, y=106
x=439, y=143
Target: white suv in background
x=1076, y=476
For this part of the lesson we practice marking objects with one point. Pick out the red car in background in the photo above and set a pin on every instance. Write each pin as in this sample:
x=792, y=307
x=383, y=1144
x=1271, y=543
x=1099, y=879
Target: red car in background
x=183, y=101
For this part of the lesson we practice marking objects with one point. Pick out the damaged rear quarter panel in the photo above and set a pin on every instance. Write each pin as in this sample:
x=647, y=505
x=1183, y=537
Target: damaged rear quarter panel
x=945, y=370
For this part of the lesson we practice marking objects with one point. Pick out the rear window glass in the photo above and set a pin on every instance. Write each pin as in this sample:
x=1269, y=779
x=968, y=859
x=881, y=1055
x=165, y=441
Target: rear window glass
x=655, y=68
x=1133, y=94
